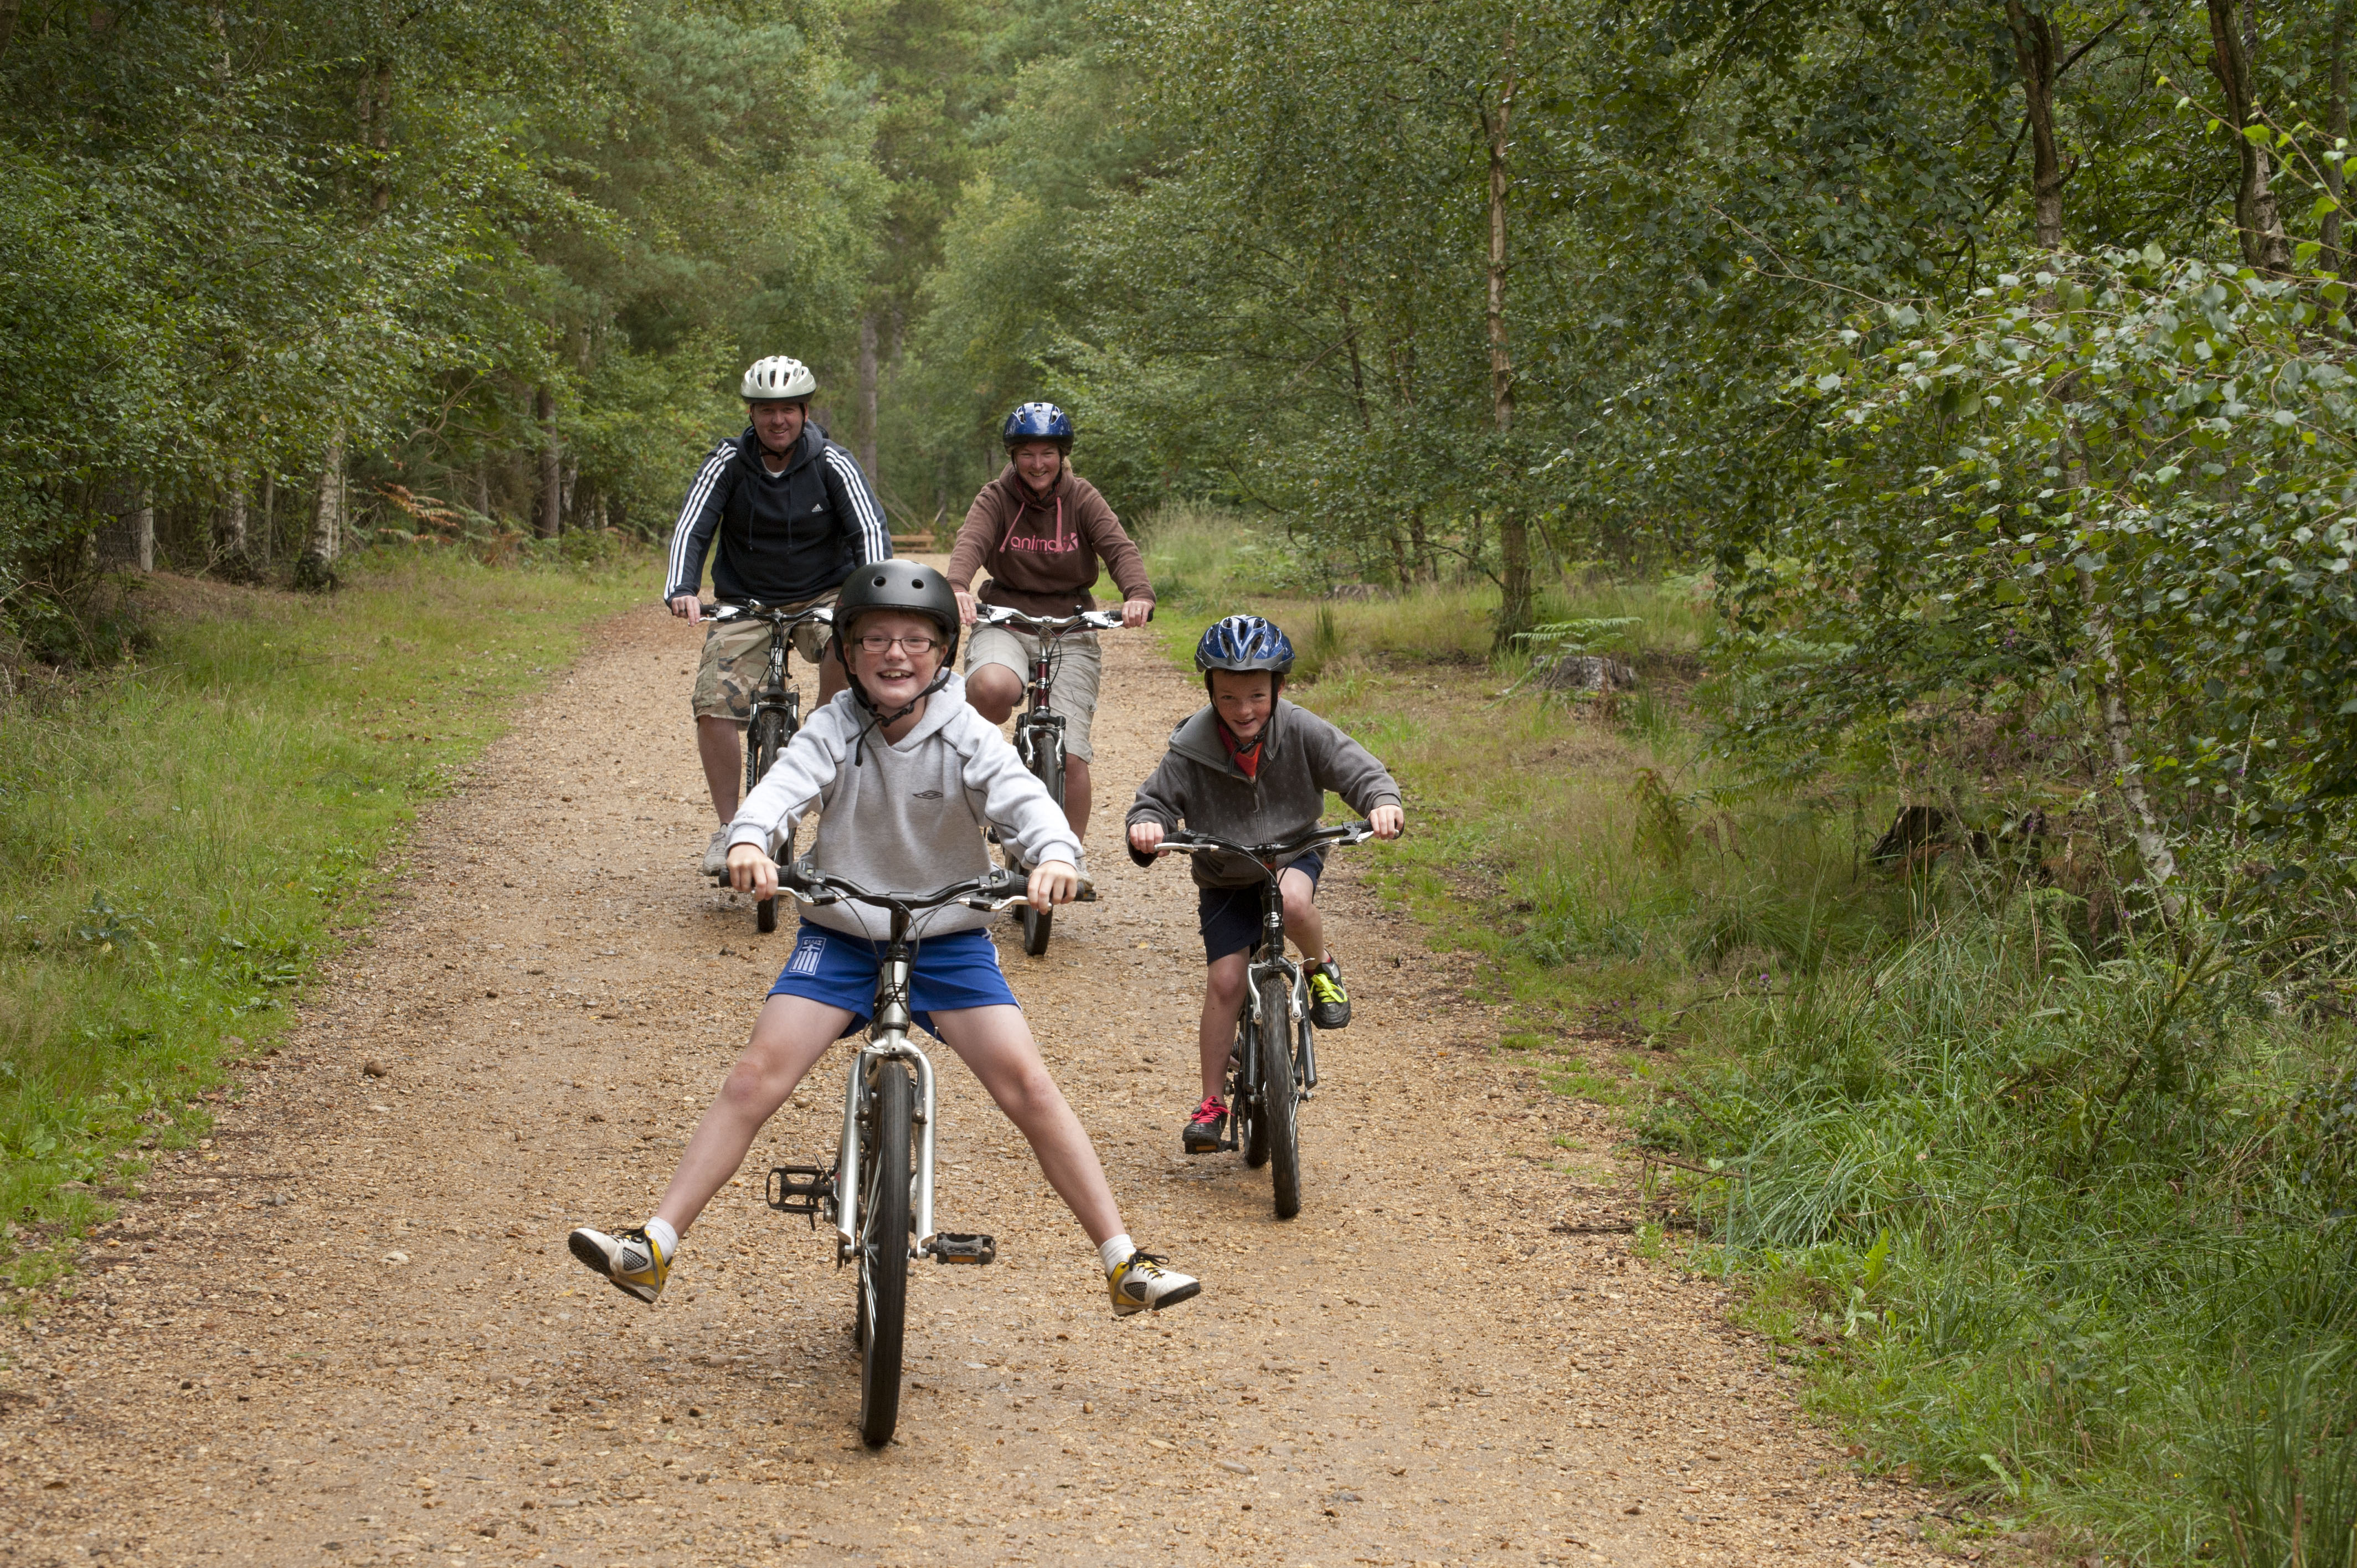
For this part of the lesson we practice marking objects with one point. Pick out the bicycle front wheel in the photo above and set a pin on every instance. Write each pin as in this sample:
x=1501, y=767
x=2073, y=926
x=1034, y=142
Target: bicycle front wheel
x=1048, y=763
x=765, y=737
x=1276, y=1095
x=884, y=1252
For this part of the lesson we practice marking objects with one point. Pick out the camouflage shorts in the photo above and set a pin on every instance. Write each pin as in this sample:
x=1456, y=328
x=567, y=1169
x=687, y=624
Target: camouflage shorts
x=737, y=657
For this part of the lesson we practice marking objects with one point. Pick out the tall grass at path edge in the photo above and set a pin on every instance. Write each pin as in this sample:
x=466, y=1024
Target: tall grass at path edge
x=183, y=839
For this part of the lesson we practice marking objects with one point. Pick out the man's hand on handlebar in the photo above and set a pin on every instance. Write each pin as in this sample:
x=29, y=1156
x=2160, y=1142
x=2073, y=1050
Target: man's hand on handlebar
x=750, y=871
x=965, y=607
x=1146, y=837
x=1136, y=613
x=1053, y=882
x=688, y=608
x=1387, y=822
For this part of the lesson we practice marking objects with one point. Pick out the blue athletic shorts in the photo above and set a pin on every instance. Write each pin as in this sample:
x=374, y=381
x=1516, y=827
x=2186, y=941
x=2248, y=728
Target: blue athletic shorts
x=1229, y=917
x=956, y=970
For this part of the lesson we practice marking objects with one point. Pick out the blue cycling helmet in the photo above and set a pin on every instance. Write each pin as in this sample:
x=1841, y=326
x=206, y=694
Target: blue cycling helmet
x=1038, y=421
x=1244, y=642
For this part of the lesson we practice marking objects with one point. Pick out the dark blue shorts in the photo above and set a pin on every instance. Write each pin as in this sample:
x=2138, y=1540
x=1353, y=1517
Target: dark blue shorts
x=952, y=972
x=1229, y=917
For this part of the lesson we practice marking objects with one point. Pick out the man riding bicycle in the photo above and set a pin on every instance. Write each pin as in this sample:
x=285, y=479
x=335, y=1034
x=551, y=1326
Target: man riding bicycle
x=1041, y=530
x=792, y=515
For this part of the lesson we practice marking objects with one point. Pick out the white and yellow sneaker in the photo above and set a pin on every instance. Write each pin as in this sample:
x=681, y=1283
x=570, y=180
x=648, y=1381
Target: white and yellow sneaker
x=1143, y=1284
x=632, y=1261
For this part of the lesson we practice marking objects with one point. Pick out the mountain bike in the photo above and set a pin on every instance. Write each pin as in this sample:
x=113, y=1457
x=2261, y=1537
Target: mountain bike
x=1274, y=1065
x=777, y=706
x=1039, y=733
x=868, y=1195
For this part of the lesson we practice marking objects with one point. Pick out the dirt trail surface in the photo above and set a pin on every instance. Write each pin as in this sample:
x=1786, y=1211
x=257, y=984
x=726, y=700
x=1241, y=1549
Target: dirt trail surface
x=348, y=1332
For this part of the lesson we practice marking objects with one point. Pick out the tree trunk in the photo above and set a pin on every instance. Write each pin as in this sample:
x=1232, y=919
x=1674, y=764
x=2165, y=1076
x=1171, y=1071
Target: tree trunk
x=269, y=516
x=2256, y=214
x=2336, y=126
x=1426, y=562
x=868, y=397
x=483, y=490
x=143, y=532
x=1514, y=612
x=229, y=523
x=552, y=480
x=2153, y=853
x=315, y=569
x=8, y=9
x=2036, y=49
x=376, y=129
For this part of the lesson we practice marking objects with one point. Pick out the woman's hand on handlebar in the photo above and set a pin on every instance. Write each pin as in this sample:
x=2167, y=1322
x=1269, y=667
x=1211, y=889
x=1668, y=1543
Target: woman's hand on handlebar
x=1146, y=837
x=1136, y=613
x=1052, y=882
x=1387, y=822
x=688, y=608
x=750, y=871
x=965, y=607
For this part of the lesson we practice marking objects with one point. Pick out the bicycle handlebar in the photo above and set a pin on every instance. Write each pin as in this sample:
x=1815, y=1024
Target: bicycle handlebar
x=755, y=608
x=993, y=891
x=1049, y=626
x=1189, y=841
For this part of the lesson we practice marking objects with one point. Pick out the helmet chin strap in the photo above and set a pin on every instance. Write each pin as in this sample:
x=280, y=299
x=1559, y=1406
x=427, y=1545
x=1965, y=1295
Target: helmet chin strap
x=877, y=720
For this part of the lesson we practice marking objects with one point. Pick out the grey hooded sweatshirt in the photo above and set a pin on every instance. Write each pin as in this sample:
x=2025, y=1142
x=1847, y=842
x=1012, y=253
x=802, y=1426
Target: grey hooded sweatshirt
x=904, y=817
x=1301, y=757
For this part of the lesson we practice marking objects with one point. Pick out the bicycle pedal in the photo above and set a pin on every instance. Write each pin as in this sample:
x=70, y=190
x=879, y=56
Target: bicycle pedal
x=800, y=1190
x=961, y=1247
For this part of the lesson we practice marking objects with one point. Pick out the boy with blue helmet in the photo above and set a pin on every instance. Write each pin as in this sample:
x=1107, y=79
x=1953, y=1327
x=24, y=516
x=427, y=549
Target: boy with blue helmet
x=1251, y=767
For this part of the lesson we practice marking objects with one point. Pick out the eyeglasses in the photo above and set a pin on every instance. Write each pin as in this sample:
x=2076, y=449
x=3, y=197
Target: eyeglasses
x=877, y=643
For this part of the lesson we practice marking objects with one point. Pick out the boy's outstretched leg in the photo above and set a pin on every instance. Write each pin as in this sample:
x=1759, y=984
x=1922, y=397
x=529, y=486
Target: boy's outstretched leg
x=789, y=1035
x=996, y=1045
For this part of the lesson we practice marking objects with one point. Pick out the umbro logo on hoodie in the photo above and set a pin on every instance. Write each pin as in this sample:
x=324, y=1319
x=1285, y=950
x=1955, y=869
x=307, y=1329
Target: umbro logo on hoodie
x=926, y=795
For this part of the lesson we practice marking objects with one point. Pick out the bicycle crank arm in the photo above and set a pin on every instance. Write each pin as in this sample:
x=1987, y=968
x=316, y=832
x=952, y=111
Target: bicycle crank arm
x=961, y=1247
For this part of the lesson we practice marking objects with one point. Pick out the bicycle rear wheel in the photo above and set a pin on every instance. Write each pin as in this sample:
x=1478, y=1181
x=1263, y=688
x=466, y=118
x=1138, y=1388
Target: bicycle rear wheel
x=1276, y=1095
x=1048, y=763
x=769, y=734
x=1252, y=1120
x=884, y=1252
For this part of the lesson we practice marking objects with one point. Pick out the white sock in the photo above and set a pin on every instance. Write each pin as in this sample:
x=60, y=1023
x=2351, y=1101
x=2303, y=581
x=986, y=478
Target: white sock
x=658, y=1230
x=1116, y=1252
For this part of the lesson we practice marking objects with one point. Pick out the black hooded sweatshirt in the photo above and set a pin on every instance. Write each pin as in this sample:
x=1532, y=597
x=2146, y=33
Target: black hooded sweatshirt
x=783, y=537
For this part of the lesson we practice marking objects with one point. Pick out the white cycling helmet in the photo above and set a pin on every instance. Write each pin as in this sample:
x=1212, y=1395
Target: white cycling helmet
x=779, y=380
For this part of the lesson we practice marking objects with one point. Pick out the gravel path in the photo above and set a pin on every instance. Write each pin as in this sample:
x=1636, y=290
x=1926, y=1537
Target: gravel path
x=348, y=1332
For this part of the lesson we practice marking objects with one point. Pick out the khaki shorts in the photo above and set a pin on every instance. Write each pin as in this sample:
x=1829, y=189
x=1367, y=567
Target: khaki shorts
x=1079, y=665
x=737, y=657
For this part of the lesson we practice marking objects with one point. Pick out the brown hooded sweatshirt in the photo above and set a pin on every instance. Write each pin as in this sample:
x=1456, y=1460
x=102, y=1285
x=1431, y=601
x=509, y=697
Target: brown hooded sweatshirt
x=1043, y=550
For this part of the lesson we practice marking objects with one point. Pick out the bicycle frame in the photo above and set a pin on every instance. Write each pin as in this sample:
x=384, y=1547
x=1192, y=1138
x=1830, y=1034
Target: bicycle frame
x=887, y=1040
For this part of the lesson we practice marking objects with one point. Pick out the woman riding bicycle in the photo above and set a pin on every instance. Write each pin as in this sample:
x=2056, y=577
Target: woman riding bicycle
x=1041, y=530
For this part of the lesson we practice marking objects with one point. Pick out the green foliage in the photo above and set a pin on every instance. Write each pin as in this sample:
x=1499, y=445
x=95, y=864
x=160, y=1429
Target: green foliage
x=183, y=840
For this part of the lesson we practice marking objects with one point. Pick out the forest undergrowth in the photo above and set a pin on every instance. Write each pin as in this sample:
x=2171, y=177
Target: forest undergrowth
x=2046, y=1194
x=183, y=836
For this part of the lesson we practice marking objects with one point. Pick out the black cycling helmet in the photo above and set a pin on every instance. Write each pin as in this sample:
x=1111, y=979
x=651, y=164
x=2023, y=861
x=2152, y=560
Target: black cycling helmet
x=1038, y=421
x=912, y=589
x=1244, y=642
x=897, y=585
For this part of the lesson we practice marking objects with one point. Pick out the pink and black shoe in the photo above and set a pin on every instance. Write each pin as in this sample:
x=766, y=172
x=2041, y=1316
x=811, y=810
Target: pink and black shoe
x=1206, y=1127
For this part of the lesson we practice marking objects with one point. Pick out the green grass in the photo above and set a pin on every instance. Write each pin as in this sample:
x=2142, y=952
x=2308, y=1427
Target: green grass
x=181, y=841
x=2055, y=1217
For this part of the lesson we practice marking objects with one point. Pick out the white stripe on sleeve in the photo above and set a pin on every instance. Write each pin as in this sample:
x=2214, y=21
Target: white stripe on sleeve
x=875, y=537
x=686, y=550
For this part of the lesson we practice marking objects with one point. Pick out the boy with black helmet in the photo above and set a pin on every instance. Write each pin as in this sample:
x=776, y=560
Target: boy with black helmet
x=1040, y=530
x=1251, y=767
x=905, y=775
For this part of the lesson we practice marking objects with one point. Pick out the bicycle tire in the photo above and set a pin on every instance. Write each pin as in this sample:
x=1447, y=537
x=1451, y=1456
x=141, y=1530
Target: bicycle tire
x=1048, y=766
x=1251, y=1083
x=1278, y=1102
x=884, y=1254
x=771, y=731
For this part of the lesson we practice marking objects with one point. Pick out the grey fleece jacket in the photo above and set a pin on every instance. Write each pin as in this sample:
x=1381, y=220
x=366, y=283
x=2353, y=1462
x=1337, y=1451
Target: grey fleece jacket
x=907, y=817
x=1301, y=757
